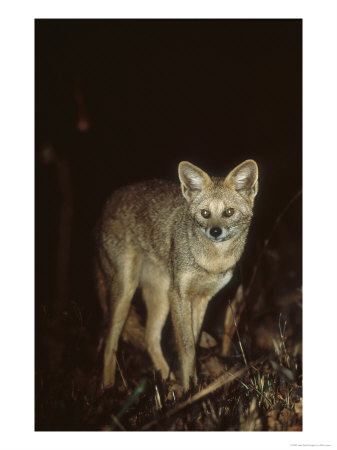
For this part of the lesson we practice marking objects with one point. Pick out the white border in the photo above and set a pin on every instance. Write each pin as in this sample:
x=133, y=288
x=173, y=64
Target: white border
x=17, y=227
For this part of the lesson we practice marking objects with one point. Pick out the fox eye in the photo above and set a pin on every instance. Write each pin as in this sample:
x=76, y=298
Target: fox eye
x=229, y=212
x=205, y=213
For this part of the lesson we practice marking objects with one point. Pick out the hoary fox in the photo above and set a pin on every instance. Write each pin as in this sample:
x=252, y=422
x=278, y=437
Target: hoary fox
x=180, y=246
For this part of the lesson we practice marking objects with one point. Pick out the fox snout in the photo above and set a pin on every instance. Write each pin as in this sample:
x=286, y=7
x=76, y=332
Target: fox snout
x=215, y=232
x=218, y=234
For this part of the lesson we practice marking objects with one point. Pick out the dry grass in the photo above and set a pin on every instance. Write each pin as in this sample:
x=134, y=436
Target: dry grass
x=264, y=395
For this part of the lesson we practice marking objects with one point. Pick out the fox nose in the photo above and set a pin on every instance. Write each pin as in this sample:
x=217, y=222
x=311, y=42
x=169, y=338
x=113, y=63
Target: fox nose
x=215, y=232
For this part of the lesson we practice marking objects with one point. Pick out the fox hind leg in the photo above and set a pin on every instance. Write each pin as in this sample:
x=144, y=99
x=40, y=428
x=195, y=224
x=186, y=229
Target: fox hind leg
x=155, y=284
x=122, y=288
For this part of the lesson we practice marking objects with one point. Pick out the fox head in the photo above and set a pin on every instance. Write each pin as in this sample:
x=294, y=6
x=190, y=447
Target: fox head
x=221, y=207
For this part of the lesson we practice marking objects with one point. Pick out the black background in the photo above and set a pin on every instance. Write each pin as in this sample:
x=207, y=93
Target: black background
x=214, y=92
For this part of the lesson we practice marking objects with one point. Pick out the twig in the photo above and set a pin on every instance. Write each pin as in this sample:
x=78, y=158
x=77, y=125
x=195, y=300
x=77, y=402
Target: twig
x=221, y=381
x=282, y=331
x=117, y=422
x=283, y=340
x=157, y=398
x=237, y=332
x=120, y=371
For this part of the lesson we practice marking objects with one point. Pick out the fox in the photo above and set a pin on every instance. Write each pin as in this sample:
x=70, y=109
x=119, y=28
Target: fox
x=179, y=244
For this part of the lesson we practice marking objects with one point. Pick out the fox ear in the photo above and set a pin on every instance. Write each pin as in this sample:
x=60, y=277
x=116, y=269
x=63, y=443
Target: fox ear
x=244, y=179
x=193, y=180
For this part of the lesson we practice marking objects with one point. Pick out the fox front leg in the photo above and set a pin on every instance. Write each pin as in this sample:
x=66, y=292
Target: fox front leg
x=181, y=311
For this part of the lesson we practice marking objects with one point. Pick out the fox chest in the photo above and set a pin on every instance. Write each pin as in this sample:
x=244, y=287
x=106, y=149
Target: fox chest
x=217, y=265
x=217, y=258
x=204, y=285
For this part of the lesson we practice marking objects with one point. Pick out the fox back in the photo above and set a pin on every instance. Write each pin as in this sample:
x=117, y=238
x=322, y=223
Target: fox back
x=180, y=245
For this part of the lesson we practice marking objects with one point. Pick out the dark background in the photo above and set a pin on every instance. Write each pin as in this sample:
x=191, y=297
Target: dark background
x=119, y=101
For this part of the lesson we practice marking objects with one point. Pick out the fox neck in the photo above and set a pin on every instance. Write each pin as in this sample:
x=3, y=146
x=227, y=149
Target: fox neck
x=216, y=257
